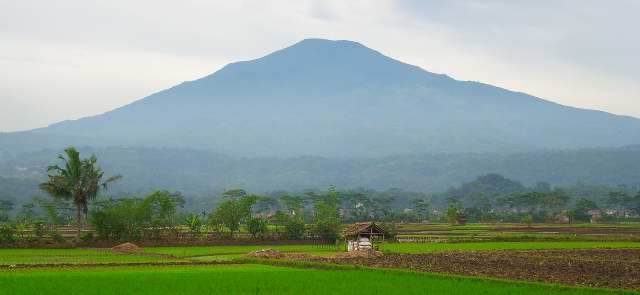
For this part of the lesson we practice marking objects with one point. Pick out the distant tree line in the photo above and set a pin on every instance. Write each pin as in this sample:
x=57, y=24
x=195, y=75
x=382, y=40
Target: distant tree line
x=74, y=188
x=494, y=198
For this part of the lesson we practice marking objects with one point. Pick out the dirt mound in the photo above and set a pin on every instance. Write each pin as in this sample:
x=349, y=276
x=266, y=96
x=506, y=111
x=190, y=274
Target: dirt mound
x=301, y=256
x=360, y=254
x=266, y=253
x=126, y=247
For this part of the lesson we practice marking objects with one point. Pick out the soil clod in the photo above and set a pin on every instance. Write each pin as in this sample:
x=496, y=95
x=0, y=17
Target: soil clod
x=126, y=248
x=266, y=253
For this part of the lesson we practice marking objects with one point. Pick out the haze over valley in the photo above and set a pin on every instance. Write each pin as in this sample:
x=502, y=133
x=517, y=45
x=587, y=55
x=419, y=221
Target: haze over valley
x=323, y=112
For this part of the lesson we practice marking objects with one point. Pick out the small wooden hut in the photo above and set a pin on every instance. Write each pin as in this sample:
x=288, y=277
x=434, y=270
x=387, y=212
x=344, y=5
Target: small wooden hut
x=361, y=236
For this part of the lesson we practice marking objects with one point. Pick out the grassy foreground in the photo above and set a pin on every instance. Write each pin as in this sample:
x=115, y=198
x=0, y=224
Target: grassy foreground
x=430, y=247
x=257, y=279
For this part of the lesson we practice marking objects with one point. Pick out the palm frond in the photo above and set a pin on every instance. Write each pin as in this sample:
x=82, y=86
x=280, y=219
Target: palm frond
x=111, y=179
x=57, y=187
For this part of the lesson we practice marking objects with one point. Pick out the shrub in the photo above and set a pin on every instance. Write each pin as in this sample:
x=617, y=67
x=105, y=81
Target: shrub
x=133, y=219
x=87, y=237
x=257, y=227
x=21, y=228
x=7, y=233
x=57, y=237
x=117, y=219
x=39, y=229
x=527, y=219
x=218, y=231
x=194, y=223
x=294, y=228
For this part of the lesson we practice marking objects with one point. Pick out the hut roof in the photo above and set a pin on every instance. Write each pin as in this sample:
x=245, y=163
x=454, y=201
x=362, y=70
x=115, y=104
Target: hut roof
x=363, y=227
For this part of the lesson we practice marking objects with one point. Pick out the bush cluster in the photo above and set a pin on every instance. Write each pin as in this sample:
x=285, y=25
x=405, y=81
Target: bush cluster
x=136, y=219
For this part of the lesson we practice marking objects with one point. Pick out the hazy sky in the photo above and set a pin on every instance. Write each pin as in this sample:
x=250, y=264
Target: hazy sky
x=68, y=59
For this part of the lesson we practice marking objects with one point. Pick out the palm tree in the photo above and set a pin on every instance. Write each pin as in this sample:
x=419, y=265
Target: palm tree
x=78, y=180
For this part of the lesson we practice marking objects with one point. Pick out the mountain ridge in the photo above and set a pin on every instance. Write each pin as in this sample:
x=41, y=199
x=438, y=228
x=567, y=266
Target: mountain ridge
x=337, y=98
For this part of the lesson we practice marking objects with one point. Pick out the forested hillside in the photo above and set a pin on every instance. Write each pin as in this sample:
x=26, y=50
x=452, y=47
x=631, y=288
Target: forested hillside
x=199, y=173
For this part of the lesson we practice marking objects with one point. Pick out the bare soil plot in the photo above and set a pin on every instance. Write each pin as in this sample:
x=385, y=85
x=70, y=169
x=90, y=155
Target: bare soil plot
x=573, y=230
x=518, y=232
x=601, y=268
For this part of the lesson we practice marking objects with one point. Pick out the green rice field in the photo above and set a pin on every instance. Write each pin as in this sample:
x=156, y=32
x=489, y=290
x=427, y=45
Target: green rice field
x=317, y=249
x=251, y=276
x=70, y=256
x=258, y=279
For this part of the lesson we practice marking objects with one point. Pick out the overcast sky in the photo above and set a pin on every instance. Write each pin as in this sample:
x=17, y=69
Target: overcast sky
x=69, y=59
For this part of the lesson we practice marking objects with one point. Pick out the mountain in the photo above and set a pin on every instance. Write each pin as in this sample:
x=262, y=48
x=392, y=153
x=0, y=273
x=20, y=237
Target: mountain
x=335, y=99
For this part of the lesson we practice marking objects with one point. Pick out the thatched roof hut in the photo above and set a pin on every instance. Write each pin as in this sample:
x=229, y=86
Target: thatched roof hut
x=363, y=229
x=361, y=235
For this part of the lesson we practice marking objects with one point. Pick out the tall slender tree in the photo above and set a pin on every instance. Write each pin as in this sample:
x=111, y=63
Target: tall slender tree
x=78, y=180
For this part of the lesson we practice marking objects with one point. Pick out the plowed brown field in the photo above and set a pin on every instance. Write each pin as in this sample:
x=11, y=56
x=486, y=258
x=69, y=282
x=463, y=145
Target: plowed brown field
x=600, y=268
